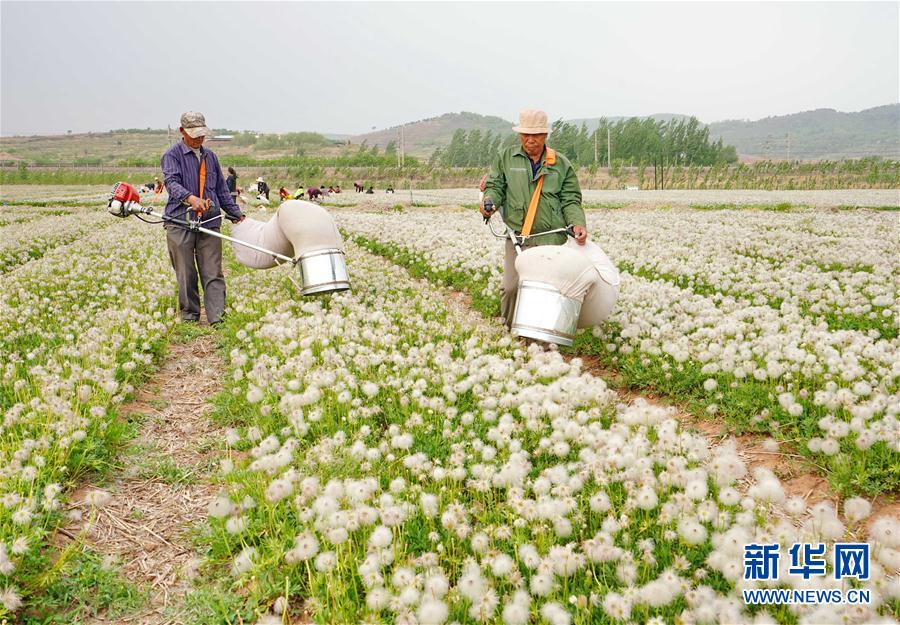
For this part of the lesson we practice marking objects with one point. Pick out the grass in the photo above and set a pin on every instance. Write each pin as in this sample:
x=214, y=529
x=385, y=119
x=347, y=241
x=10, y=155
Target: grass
x=604, y=205
x=853, y=207
x=187, y=331
x=85, y=586
x=151, y=463
x=158, y=404
x=780, y=207
x=49, y=203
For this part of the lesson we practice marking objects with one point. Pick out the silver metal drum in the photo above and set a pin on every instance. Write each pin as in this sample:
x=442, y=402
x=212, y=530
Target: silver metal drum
x=545, y=314
x=323, y=270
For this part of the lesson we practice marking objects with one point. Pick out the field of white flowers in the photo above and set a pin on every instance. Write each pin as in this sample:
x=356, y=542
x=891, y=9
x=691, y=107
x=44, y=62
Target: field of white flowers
x=400, y=460
x=77, y=327
x=392, y=456
x=784, y=323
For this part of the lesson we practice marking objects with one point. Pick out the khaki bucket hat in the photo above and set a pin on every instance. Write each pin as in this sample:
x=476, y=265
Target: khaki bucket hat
x=532, y=122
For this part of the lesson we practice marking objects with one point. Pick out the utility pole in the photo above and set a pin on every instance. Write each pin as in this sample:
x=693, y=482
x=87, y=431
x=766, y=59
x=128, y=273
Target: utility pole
x=608, y=150
x=596, y=132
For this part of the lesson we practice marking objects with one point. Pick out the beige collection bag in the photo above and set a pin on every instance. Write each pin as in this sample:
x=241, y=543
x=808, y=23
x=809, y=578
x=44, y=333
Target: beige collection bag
x=308, y=226
x=265, y=234
x=581, y=272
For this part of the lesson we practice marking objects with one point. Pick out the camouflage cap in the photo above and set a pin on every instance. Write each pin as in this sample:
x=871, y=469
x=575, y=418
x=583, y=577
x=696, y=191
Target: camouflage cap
x=194, y=124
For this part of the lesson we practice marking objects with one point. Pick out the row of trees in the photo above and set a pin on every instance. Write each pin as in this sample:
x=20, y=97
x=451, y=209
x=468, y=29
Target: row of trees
x=636, y=140
x=471, y=149
x=641, y=141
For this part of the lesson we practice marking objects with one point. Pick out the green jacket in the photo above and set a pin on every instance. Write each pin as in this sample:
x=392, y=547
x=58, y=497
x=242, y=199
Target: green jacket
x=510, y=185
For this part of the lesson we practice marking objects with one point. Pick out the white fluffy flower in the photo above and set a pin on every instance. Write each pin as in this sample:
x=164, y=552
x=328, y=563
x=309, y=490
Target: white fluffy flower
x=243, y=562
x=502, y=565
x=555, y=614
x=381, y=537
x=220, y=507
x=542, y=584
x=326, y=561
x=306, y=546
x=432, y=612
x=516, y=612
x=856, y=509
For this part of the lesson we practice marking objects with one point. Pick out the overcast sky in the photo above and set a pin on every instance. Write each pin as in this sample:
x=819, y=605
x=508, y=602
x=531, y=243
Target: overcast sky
x=346, y=67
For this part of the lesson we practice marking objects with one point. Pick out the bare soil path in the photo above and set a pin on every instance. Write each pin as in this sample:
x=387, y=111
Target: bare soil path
x=164, y=489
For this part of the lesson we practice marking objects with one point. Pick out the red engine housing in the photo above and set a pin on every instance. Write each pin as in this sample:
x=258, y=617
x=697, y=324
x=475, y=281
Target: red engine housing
x=124, y=192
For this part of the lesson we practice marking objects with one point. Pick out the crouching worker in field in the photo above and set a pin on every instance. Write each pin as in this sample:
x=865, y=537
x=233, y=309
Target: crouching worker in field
x=197, y=189
x=536, y=190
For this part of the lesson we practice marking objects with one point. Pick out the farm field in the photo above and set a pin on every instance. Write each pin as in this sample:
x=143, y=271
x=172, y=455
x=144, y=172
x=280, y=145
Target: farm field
x=621, y=199
x=391, y=455
x=848, y=198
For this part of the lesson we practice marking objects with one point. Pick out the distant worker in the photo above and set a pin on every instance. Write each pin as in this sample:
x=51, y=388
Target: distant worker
x=337, y=188
x=359, y=187
x=194, y=179
x=370, y=190
x=331, y=189
x=158, y=186
x=511, y=185
x=284, y=194
x=262, y=188
x=313, y=193
x=299, y=193
x=389, y=190
x=231, y=183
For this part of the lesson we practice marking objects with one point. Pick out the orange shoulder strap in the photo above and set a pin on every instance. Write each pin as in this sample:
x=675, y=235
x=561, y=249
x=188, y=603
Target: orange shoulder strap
x=202, y=177
x=549, y=159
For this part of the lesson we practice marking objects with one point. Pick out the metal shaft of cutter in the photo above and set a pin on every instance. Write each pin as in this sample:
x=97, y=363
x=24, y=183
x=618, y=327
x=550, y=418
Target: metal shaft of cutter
x=195, y=226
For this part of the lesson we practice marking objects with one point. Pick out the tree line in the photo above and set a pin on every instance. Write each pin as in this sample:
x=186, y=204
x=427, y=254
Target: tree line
x=634, y=141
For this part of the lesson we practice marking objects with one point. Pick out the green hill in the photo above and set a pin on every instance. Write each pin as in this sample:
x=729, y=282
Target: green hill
x=814, y=135
x=819, y=134
x=422, y=137
x=594, y=122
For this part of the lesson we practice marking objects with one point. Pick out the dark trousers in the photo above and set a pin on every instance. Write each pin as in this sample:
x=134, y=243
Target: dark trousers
x=190, y=252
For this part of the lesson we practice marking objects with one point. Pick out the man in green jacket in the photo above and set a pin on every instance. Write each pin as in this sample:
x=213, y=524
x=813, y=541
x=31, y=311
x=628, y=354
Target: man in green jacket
x=510, y=185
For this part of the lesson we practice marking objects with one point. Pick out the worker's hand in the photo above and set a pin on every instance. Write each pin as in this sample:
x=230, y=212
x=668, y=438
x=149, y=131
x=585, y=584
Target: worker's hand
x=197, y=204
x=242, y=218
x=580, y=234
x=485, y=213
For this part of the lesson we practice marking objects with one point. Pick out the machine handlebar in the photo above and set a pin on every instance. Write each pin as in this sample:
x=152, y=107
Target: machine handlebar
x=489, y=208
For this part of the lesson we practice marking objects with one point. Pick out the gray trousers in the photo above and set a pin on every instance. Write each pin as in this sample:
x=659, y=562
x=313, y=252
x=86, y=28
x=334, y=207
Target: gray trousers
x=190, y=252
x=509, y=287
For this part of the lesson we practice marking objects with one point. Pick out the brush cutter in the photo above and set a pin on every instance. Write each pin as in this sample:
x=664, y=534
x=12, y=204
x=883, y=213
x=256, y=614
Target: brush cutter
x=320, y=271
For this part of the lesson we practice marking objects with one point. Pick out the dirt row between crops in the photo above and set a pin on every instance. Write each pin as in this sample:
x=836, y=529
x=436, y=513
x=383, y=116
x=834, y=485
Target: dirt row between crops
x=144, y=525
